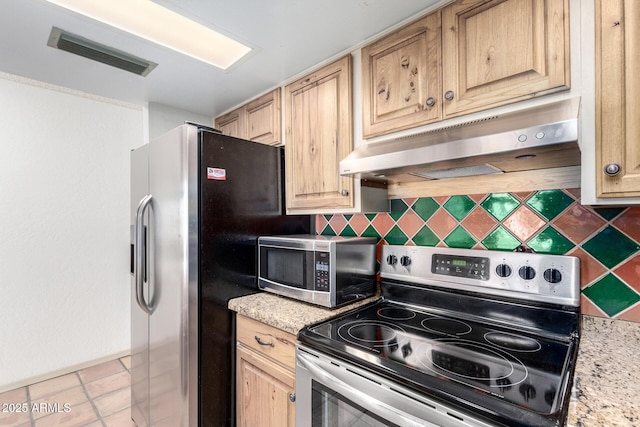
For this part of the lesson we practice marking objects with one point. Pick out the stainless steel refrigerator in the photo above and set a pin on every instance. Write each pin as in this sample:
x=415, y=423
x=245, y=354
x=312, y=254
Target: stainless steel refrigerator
x=199, y=200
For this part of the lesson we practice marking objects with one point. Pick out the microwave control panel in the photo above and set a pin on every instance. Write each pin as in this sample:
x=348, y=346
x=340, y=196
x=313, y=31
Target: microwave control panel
x=322, y=272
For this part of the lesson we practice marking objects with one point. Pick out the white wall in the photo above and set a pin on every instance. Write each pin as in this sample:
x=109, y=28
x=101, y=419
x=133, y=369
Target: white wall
x=64, y=230
x=163, y=118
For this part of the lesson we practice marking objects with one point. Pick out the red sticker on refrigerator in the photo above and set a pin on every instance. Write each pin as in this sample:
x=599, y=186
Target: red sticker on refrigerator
x=217, y=174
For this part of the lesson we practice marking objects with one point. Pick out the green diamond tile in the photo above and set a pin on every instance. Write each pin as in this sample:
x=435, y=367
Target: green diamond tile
x=348, y=217
x=500, y=240
x=370, y=231
x=348, y=232
x=395, y=236
x=396, y=215
x=425, y=207
x=328, y=231
x=370, y=217
x=609, y=213
x=398, y=205
x=459, y=238
x=425, y=237
x=459, y=206
x=328, y=217
x=500, y=205
x=611, y=247
x=549, y=203
x=611, y=295
x=550, y=241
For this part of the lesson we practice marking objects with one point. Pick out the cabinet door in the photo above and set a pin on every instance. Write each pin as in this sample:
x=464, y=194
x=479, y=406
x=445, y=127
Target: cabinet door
x=618, y=97
x=265, y=391
x=500, y=51
x=401, y=78
x=232, y=123
x=319, y=135
x=263, y=119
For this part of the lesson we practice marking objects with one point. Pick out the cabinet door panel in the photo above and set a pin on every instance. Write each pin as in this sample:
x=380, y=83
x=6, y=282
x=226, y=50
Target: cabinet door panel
x=400, y=72
x=263, y=389
x=501, y=51
x=618, y=96
x=319, y=136
x=263, y=119
x=232, y=123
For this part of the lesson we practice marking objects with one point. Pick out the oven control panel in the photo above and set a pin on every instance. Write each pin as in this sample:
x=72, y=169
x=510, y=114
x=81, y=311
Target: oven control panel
x=529, y=276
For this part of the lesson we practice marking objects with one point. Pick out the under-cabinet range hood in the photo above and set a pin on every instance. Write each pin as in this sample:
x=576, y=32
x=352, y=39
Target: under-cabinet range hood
x=539, y=137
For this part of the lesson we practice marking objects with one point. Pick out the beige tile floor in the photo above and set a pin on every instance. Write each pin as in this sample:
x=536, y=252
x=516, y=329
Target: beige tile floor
x=98, y=396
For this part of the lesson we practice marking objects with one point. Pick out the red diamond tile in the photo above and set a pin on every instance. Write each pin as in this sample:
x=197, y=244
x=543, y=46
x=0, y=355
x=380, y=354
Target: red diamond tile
x=479, y=246
x=410, y=201
x=629, y=272
x=590, y=268
x=523, y=195
x=338, y=222
x=632, y=314
x=629, y=223
x=477, y=197
x=359, y=223
x=442, y=245
x=383, y=223
x=479, y=223
x=587, y=307
x=442, y=223
x=524, y=223
x=575, y=192
x=321, y=223
x=410, y=223
x=441, y=199
x=577, y=223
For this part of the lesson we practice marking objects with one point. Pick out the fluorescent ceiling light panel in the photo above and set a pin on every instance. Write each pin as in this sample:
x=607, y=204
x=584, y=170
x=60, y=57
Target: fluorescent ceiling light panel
x=157, y=24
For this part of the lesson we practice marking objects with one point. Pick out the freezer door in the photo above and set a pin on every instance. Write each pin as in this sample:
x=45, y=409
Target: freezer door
x=139, y=317
x=173, y=291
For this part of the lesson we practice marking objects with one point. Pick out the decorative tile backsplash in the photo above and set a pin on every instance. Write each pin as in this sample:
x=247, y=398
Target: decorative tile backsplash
x=607, y=240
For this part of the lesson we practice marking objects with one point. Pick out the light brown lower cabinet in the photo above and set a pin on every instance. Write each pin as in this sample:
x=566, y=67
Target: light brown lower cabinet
x=265, y=375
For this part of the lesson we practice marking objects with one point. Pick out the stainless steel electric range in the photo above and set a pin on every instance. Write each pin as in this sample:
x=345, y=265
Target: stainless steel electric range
x=459, y=338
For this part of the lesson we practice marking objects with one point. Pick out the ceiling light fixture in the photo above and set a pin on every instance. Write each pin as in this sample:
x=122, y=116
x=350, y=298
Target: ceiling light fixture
x=157, y=24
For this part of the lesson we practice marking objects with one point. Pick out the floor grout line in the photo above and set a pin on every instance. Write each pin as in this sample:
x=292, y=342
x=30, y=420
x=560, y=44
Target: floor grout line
x=93, y=405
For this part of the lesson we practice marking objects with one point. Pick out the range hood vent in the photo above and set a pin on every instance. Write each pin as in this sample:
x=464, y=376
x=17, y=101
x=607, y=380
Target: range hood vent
x=540, y=137
x=72, y=43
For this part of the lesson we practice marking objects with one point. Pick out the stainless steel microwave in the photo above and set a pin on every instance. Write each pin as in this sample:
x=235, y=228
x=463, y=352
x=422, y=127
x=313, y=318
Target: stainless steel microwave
x=325, y=270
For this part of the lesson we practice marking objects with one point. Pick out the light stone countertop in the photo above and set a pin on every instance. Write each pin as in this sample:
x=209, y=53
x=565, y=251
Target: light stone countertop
x=606, y=387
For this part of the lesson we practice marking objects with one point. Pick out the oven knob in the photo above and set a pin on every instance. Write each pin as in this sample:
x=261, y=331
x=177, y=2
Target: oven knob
x=552, y=275
x=504, y=384
x=392, y=260
x=406, y=350
x=527, y=273
x=503, y=270
x=528, y=392
x=405, y=260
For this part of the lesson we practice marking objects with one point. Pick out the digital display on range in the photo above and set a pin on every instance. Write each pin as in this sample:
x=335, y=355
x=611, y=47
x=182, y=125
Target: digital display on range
x=460, y=266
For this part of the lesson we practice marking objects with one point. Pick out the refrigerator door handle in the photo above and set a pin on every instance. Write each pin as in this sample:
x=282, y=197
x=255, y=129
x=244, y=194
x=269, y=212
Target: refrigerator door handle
x=141, y=253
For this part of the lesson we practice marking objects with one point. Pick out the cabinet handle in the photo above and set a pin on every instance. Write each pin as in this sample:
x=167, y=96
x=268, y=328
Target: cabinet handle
x=270, y=344
x=612, y=169
x=431, y=101
x=292, y=397
x=448, y=95
x=344, y=193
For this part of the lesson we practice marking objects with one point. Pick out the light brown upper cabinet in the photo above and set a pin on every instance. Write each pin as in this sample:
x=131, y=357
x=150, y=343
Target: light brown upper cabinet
x=401, y=78
x=258, y=120
x=493, y=52
x=617, y=98
x=319, y=135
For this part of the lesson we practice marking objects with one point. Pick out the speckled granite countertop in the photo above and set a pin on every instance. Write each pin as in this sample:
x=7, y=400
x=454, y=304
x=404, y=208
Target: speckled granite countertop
x=285, y=313
x=606, y=391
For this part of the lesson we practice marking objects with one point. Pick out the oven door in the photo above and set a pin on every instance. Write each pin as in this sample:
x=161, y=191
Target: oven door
x=330, y=392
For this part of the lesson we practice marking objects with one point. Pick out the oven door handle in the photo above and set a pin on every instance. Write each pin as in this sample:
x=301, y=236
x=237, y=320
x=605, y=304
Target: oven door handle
x=356, y=395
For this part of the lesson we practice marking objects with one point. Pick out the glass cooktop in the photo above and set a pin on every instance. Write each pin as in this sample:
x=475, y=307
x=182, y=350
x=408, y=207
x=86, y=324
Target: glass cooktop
x=416, y=343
